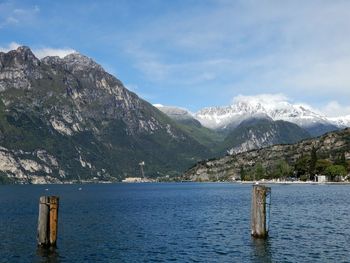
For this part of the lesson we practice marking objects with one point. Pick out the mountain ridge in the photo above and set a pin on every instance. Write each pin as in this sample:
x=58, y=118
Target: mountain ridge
x=230, y=167
x=75, y=113
x=229, y=117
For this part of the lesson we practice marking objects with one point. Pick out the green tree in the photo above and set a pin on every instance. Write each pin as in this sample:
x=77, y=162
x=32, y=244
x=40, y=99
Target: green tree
x=321, y=165
x=335, y=171
x=259, y=171
x=301, y=166
x=242, y=173
x=282, y=170
x=341, y=160
x=312, y=165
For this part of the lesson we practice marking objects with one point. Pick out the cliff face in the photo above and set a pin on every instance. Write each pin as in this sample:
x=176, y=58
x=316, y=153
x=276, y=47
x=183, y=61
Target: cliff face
x=67, y=119
x=328, y=146
x=259, y=133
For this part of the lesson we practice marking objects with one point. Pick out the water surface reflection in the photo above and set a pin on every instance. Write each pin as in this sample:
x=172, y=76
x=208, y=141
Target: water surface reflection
x=261, y=250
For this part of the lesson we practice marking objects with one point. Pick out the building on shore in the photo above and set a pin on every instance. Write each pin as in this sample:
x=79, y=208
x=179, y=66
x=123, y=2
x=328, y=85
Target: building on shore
x=321, y=178
x=137, y=180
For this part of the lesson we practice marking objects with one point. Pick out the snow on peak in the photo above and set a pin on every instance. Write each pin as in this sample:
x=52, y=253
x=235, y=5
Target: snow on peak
x=276, y=107
x=343, y=121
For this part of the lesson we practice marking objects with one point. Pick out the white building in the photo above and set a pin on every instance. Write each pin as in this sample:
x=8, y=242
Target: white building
x=321, y=178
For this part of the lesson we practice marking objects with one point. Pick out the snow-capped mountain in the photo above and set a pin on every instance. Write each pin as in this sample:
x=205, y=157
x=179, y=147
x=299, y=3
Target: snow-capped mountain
x=243, y=108
x=341, y=122
x=255, y=129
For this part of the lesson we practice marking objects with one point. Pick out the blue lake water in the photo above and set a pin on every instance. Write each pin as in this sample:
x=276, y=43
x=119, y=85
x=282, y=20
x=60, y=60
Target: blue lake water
x=183, y=222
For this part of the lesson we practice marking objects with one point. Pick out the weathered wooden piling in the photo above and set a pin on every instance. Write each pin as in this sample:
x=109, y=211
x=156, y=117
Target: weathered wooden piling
x=43, y=221
x=260, y=211
x=47, y=221
x=53, y=219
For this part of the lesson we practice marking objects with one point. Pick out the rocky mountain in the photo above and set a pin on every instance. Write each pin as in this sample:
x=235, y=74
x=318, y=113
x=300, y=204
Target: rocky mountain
x=177, y=113
x=252, y=132
x=259, y=133
x=185, y=119
x=329, y=146
x=64, y=119
x=228, y=118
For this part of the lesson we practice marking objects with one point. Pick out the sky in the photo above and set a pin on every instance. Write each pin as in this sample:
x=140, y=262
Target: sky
x=199, y=53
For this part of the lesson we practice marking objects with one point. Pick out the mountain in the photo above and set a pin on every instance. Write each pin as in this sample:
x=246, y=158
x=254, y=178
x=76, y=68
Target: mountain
x=329, y=146
x=177, y=113
x=208, y=137
x=64, y=119
x=228, y=118
x=251, y=133
x=259, y=133
x=343, y=121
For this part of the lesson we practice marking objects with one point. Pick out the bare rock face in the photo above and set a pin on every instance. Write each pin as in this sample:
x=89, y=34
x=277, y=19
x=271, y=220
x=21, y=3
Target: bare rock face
x=17, y=67
x=328, y=146
x=85, y=119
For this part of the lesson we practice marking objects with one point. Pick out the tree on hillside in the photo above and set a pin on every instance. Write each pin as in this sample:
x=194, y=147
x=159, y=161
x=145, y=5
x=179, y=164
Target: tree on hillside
x=242, y=173
x=312, y=164
x=302, y=165
x=322, y=165
x=341, y=160
x=281, y=170
x=335, y=172
x=259, y=171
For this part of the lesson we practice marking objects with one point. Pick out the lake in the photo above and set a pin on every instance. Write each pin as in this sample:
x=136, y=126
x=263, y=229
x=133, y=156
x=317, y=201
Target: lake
x=183, y=222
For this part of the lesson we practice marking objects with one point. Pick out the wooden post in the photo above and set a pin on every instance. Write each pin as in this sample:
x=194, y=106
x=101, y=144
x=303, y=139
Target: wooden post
x=53, y=219
x=259, y=213
x=47, y=221
x=43, y=221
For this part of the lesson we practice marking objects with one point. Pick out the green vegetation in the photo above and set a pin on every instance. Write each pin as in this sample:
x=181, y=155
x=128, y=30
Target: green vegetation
x=302, y=166
x=322, y=165
x=313, y=161
x=302, y=169
x=300, y=161
x=282, y=170
x=335, y=172
x=204, y=136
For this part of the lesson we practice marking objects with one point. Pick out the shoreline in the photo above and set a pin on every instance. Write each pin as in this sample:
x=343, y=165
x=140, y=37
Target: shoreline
x=289, y=182
x=161, y=182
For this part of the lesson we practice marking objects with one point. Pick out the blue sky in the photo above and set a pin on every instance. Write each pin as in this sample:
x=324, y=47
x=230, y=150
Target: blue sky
x=200, y=53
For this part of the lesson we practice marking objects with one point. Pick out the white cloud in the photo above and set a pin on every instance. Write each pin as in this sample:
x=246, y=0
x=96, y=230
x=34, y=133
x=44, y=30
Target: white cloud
x=40, y=52
x=11, y=15
x=265, y=99
x=335, y=109
x=47, y=51
x=272, y=46
x=11, y=46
